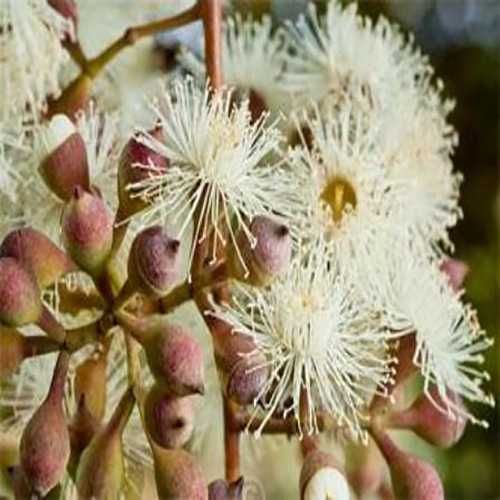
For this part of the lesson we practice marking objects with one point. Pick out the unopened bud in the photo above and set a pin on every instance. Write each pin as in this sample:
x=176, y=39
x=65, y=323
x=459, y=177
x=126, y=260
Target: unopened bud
x=87, y=227
x=100, y=471
x=15, y=348
x=321, y=479
x=155, y=262
x=270, y=256
x=169, y=420
x=367, y=469
x=138, y=162
x=220, y=489
x=35, y=251
x=412, y=478
x=90, y=384
x=45, y=444
x=178, y=475
x=67, y=9
x=243, y=371
x=456, y=271
x=20, y=302
x=428, y=422
x=65, y=164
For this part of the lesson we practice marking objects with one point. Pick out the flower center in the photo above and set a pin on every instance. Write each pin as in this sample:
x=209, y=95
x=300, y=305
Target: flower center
x=339, y=194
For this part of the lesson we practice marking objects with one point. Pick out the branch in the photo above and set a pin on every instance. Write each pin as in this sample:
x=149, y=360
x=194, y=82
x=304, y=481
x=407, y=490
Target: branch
x=211, y=14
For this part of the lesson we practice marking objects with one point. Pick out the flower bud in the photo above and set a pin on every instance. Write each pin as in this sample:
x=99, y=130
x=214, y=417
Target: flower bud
x=154, y=264
x=36, y=252
x=174, y=356
x=45, y=445
x=67, y=9
x=87, y=227
x=100, y=471
x=367, y=469
x=412, y=478
x=138, y=162
x=90, y=384
x=169, y=420
x=321, y=479
x=20, y=302
x=65, y=164
x=456, y=271
x=178, y=475
x=15, y=348
x=270, y=256
x=428, y=422
x=242, y=376
x=220, y=489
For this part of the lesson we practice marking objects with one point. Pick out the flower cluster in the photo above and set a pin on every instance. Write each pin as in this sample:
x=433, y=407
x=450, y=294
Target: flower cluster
x=304, y=206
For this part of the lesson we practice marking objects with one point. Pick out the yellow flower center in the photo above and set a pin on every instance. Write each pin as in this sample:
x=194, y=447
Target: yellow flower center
x=338, y=194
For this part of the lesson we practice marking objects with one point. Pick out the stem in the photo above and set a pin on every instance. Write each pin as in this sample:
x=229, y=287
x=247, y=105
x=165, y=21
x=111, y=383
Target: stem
x=51, y=326
x=56, y=390
x=231, y=441
x=134, y=367
x=211, y=14
x=133, y=34
x=308, y=443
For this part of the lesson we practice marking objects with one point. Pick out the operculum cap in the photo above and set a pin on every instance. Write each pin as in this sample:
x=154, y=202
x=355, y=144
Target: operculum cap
x=87, y=226
x=154, y=262
x=64, y=165
x=321, y=478
x=412, y=478
x=38, y=253
x=169, y=419
x=268, y=258
x=137, y=163
x=20, y=302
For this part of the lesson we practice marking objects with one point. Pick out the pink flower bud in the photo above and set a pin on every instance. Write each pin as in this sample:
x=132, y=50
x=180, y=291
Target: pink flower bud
x=169, y=420
x=220, y=489
x=137, y=162
x=45, y=445
x=20, y=302
x=100, y=471
x=412, y=478
x=67, y=9
x=456, y=271
x=178, y=475
x=368, y=469
x=321, y=478
x=36, y=252
x=87, y=227
x=428, y=422
x=154, y=262
x=270, y=256
x=65, y=163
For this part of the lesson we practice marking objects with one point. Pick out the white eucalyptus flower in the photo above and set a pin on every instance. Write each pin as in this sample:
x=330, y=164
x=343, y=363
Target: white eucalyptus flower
x=415, y=296
x=318, y=338
x=31, y=55
x=222, y=167
x=343, y=181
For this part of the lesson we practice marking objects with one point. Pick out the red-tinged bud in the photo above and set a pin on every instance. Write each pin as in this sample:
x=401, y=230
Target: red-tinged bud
x=90, y=384
x=20, y=302
x=412, y=478
x=67, y=8
x=242, y=375
x=137, y=163
x=220, y=489
x=456, y=271
x=268, y=259
x=155, y=262
x=321, y=478
x=100, y=471
x=174, y=356
x=36, y=252
x=169, y=420
x=65, y=164
x=368, y=469
x=178, y=475
x=15, y=348
x=428, y=422
x=87, y=227
x=45, y=445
